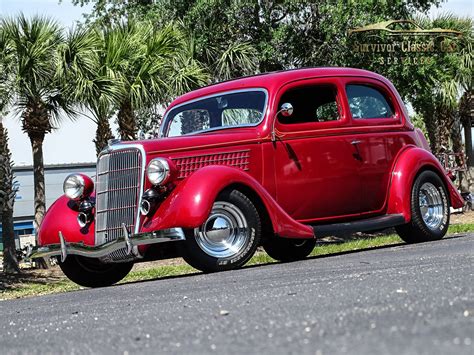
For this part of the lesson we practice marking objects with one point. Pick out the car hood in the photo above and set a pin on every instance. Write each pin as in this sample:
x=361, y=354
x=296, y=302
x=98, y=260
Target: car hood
x=169, y=146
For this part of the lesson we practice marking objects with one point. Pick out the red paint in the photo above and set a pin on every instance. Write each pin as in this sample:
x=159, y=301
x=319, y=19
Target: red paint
x=190, y=203
x=62, y=216
x=409, y=164
x=88, y=186
x=313, y=173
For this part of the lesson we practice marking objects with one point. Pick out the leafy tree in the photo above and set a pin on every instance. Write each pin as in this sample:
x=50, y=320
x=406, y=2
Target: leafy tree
x=284, y=34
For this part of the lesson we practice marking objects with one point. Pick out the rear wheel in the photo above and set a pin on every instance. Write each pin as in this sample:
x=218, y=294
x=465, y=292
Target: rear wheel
x=284, y=249
x=229, y=236
x=91, y=272
x=429, y=210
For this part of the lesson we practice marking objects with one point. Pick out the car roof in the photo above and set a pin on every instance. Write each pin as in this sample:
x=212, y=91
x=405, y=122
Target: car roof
x=273, y=80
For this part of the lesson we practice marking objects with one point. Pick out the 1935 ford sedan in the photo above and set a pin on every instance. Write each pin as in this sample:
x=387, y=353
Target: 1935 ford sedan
x=277, y=160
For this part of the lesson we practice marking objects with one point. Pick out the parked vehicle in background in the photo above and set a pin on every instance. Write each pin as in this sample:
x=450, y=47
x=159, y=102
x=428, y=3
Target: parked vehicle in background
x=278, y=160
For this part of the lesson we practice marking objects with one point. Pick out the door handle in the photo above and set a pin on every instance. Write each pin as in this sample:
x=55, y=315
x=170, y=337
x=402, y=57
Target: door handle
x=356, y=155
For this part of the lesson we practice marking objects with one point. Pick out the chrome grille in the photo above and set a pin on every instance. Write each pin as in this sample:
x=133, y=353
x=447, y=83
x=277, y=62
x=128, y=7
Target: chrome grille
x=119, y=183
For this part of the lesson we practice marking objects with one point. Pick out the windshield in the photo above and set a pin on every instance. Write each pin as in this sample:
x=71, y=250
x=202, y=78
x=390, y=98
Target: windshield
x=235, y=109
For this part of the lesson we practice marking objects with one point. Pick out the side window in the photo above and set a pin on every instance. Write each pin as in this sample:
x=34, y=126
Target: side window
x=316, y=103
x=367, y=102
x=240, y=116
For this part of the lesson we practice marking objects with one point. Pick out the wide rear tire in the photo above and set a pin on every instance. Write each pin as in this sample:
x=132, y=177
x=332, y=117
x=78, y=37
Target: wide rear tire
x=429, y=210
x=90, y=272
x=229, y=236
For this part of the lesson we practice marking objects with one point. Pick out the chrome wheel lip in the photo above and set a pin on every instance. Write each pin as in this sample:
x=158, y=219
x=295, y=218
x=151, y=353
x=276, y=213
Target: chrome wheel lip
x=225, y=233
x=431, y=205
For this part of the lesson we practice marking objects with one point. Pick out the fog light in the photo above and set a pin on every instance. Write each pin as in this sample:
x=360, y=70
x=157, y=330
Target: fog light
x=83, y=219
x=85, y=215
x=145, y=207
x=149, y=201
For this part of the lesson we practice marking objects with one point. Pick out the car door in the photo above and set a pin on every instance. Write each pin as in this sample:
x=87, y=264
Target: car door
x=316, y=163
x=376, y=126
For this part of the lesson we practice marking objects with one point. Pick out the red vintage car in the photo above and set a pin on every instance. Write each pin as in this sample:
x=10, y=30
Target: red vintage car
x=277, y=160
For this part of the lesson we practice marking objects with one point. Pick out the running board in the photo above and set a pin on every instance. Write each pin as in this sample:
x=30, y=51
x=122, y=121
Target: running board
x=363, y=225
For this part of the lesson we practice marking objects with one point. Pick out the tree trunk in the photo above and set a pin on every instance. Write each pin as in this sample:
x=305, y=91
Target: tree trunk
x=40, y=195
x=126, y=121
x=456, y=140
x=38, y=178
x=466, y=111
x=36, y=123
x=430, y=119
x=10, y=262
x=468, y=142
x=102, y=134
x=442, y=133
x=7, y=199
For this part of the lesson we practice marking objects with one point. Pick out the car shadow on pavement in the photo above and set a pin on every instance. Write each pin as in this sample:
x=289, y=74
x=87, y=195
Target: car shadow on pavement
x=302, y=260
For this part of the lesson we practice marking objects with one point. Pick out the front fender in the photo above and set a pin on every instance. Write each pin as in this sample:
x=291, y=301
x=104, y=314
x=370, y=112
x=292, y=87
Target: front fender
x=62, y=216
x=410, y=162
x=190, y=203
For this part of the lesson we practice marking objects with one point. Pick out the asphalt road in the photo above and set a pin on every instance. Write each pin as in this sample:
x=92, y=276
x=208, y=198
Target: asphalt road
x=407, y=299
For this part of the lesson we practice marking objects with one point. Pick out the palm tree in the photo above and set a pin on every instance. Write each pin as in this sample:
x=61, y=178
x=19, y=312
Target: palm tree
x=36, y=95
x=7, y=191
x=50, y=69
x=7, y=199
x=449, y=76
x=152, y=65
x=452, y=78
x=86, y=80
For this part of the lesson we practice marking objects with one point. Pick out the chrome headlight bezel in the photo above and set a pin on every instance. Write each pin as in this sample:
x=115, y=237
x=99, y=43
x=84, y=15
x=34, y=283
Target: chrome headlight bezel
x=158, y=171
x=74, y=186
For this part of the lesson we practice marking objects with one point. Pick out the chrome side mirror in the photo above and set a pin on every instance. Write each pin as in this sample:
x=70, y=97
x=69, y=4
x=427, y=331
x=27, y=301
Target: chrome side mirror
x=286, y=110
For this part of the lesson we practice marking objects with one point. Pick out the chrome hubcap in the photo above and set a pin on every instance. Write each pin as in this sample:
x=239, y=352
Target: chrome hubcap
x=431, y=205
x=225, y=231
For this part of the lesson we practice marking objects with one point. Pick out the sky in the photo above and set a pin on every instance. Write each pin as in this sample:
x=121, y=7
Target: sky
x=72, y=141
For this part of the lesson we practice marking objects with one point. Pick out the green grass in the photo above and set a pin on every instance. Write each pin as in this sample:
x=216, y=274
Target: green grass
x=32, y=287
x=37, y=288
x=461, y=228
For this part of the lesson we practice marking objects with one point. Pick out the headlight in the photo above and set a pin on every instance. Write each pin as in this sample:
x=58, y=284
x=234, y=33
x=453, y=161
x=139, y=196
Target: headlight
x=158, y=171
x=77, y=186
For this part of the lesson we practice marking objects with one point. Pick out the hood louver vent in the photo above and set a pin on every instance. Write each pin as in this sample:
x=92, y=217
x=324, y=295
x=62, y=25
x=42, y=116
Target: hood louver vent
x=188, y=165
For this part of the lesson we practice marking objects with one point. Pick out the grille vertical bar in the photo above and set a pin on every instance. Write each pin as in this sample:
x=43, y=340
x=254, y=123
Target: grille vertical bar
x=119, y=175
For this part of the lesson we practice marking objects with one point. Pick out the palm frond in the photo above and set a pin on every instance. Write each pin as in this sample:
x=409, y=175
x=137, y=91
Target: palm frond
x=239, y=58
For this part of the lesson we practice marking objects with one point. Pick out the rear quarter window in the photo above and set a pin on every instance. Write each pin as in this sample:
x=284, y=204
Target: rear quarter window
x=368, y=102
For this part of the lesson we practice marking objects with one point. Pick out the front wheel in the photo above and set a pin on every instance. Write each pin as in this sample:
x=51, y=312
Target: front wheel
x=429, y=210
x=91, y=272
x=229, y=236
x=284, y=249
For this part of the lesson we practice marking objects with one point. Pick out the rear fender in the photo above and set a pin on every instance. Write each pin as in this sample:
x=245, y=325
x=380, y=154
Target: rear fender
x=410, y=162
x=62, y=216
x=190, y=203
